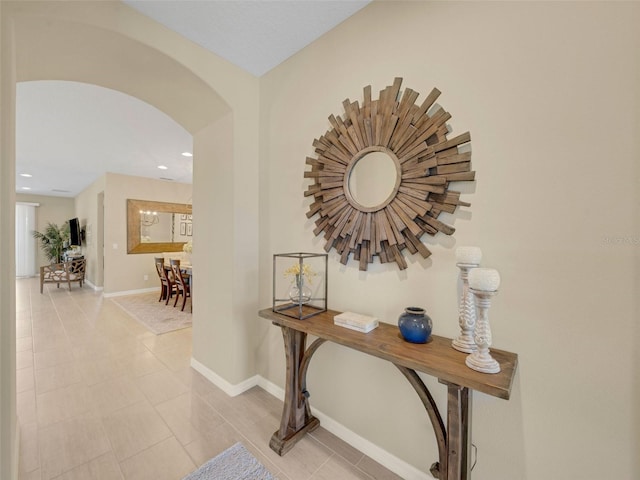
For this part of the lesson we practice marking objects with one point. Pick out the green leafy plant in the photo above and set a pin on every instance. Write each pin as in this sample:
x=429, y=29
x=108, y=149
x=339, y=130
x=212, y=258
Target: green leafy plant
x=52, y=241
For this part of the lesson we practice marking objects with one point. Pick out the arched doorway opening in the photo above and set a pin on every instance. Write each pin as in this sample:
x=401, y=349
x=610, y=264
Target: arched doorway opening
x=110, y=45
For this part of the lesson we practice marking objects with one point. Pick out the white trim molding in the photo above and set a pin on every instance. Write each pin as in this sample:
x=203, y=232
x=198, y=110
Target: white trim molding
x=96, y=289
x=384, y=458
x=130, y=292
x=228, y=388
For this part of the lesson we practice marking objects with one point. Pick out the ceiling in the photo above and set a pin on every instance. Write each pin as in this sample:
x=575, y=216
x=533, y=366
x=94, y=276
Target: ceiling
x=68, y=134
x=255, y=35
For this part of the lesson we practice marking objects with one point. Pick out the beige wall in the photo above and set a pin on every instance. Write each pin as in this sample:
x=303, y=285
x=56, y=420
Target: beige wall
x=8, y=417
x=86, y=206
x=213, y=339
x=126, y=272
x=56, y=210
x=92, y=42
x=123, y=271
x=549, y=93
x=228, y=327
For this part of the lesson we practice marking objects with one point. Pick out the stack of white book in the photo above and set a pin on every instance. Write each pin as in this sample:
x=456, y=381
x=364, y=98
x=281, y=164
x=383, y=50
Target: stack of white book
x=356, y=321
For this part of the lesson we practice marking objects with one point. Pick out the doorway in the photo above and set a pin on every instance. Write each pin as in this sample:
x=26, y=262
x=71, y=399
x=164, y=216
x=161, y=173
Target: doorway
x=99, y=235
x=25, y=242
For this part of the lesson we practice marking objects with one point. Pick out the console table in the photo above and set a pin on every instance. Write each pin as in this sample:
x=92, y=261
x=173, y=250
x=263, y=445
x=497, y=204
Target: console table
x=436, y=358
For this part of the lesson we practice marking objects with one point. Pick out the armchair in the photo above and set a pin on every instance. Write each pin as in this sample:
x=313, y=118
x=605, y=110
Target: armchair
x=65, y=272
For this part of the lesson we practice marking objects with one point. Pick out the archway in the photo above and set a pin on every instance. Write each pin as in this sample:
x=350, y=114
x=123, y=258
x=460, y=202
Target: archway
x=111, y=45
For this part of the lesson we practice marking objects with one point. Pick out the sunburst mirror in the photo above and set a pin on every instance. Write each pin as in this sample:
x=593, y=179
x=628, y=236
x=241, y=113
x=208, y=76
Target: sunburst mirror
x=382, y=176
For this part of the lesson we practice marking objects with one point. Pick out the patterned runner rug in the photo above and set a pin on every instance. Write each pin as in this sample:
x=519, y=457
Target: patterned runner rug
x=235, y=463
x=156, y=316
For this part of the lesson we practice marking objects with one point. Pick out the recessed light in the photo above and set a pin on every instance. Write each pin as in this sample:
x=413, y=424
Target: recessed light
x=187, y=154
x=163, y=167
x=27, y=175
x=26, y=188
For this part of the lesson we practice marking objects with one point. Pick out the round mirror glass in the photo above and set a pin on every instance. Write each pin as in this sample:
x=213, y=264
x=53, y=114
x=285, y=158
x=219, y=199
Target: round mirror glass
x=373, y=179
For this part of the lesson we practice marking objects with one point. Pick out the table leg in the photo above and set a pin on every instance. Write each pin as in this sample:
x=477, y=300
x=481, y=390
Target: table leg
x=296, y=417
x=458, y=432
x=438, y=469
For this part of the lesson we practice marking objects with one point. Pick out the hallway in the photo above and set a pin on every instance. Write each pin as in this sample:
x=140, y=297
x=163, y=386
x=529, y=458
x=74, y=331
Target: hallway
x=100, y=398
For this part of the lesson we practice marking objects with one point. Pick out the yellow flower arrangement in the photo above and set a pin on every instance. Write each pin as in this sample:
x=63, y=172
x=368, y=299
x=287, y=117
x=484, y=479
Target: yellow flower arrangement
x=294, y=269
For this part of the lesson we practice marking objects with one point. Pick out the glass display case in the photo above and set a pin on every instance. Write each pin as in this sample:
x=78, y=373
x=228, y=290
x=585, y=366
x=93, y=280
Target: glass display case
x=300, y=284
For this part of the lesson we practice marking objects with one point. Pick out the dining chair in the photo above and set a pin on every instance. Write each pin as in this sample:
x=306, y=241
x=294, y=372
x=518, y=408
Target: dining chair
x=168, y=286
x=183, y=286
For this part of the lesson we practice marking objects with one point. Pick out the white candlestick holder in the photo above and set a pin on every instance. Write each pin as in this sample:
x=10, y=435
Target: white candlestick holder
x=481, y=360
x=466, y=313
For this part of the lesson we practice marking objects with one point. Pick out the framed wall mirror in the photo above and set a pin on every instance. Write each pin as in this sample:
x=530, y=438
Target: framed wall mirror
x=155, y=227
x=382, y=176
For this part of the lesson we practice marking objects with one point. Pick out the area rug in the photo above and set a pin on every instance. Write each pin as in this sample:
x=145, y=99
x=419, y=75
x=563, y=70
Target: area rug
x=156, y=316
x=235, y=463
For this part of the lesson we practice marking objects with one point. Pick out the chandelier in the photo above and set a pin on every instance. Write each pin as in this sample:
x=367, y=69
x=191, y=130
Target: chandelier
x=148, y=218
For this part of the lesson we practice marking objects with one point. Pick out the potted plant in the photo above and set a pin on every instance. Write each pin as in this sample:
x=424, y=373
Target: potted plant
x=53, y=240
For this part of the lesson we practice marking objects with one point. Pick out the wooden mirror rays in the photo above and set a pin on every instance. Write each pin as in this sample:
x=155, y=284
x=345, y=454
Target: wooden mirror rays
x=427, y=163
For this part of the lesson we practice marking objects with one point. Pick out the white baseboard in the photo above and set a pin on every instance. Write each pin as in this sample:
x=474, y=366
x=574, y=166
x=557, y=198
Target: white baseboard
x=130, y=292
x=384, y=458
x=228, y=388
x=271, y=387
x=96, y=289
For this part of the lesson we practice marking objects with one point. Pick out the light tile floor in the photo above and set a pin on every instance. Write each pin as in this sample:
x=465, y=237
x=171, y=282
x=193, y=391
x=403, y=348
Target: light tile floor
x=101, y=398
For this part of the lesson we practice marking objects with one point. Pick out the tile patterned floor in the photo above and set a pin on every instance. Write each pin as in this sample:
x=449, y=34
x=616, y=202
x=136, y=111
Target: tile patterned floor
x=101, y=398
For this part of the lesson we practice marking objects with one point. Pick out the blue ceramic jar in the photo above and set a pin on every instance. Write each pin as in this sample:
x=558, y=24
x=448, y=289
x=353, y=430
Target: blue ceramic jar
x=415, y=325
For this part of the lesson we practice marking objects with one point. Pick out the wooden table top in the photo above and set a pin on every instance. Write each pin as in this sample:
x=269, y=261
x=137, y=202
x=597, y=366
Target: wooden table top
x=436, y=357
x=185, y=267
